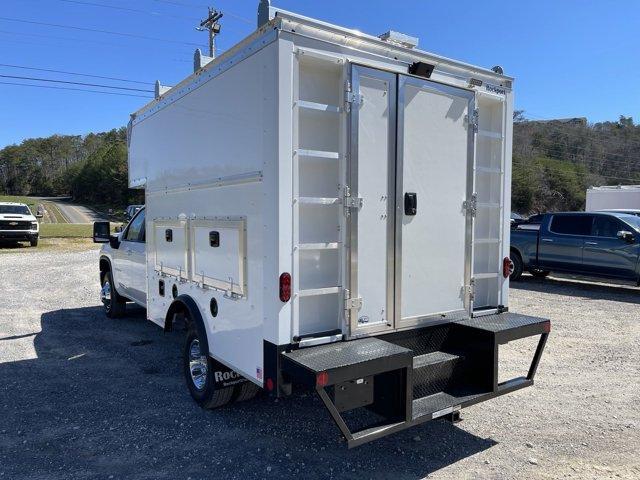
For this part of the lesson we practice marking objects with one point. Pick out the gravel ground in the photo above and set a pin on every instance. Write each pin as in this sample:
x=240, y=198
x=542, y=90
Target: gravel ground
x=86, y=397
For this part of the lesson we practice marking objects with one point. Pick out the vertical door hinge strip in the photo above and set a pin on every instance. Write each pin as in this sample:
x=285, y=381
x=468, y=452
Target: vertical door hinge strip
x=471, y=206
x=473, y=120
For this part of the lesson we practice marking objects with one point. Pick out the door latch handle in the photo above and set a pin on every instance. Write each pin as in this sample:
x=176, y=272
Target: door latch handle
x=591, y=243
x=548, y=240
x=410, y=203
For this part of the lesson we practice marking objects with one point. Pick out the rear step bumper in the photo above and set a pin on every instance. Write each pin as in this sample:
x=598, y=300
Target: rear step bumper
x=407, y=378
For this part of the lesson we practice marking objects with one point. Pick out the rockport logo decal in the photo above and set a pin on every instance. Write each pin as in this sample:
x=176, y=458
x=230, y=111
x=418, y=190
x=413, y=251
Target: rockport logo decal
x=492, y=89
x=228, y=378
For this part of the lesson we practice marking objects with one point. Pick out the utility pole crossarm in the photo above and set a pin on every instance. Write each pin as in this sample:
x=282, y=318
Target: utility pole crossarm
x=213, y=27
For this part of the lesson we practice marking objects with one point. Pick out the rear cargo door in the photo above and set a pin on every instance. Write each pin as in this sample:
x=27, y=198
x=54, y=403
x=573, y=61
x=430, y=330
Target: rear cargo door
x=410, y=171
x=370, y=204
x=434, y=180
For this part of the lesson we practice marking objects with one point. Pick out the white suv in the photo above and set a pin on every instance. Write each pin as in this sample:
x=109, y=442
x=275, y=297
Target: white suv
x=17, y=223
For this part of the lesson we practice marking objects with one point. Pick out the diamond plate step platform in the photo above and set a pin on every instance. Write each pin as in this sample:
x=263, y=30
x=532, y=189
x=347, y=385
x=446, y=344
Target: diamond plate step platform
x=432, y=359
x=508, y=326
x=342, y=361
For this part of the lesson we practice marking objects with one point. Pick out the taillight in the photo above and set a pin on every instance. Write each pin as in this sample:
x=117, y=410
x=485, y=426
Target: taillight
x=322, y=379
x=507, y=267
x=285, y=287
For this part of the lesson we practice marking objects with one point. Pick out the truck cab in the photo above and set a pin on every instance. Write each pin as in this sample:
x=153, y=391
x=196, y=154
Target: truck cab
x=18, y=224
x=122, y=265
x=600, y=244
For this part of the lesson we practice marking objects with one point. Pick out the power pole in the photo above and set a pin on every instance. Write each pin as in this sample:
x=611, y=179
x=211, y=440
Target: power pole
x=211, y=24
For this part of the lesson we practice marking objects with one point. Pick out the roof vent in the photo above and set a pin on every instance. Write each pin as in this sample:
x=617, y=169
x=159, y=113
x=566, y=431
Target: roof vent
x=400, y=39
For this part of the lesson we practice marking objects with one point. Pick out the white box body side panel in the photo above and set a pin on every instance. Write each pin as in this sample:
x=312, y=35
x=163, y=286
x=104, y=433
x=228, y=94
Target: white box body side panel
x=613, y=198
x=210, y=158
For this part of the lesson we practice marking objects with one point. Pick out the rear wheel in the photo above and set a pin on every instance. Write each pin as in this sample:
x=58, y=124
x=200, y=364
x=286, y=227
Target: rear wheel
x=518, y=266
x=198, y=372
x=114, y=304
x=539, y=273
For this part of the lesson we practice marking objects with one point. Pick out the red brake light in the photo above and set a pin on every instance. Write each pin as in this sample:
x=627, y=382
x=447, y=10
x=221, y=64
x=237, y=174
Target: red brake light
x=269, y=384
x=507, y=267
x=285, y=287
x=322, y=379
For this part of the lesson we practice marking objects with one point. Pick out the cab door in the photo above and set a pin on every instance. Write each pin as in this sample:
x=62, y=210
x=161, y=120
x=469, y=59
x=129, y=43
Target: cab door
x=132, y=259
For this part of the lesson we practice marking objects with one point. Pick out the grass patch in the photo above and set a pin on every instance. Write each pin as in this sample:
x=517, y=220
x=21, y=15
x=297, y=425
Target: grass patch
x=31, y=202
x=65, y=230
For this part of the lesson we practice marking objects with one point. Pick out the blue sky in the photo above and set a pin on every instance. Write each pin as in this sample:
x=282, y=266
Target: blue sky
x=569, y=57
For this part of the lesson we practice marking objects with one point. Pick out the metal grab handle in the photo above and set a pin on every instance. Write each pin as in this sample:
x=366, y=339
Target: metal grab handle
x=548, y=240
x=591, y=243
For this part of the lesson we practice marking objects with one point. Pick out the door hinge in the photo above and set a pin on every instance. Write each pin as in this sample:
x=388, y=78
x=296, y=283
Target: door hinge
x=351, y=302
x=351, y=98
x=473, y=120
x=350, y=202
x=471, y=206
x=470, y=289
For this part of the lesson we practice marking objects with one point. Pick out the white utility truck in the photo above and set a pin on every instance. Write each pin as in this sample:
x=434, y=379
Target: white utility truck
x=18, y=223
x=328, y=208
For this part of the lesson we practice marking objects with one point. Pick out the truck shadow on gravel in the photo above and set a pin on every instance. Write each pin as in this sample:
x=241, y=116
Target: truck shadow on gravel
x=578, y=288
x=107, y=397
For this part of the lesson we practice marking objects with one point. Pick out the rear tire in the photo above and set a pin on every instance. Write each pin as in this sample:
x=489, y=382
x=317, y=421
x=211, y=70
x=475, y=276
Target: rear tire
x=114, y=304
x=197, y=372
x=539, y=273
x=246, y=391
x=518, y=266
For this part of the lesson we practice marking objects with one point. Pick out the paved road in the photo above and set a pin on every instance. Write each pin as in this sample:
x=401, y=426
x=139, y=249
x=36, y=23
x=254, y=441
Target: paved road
x=85, y=397
x=76, y=213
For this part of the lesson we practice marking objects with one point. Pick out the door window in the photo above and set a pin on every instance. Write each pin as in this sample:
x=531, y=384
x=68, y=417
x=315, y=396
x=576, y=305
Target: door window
x=571, y=224
x=606, y=227
x=135, y=230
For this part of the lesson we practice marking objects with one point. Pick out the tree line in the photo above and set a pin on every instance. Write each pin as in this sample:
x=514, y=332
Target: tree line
x=91, y=168
x=554, y=162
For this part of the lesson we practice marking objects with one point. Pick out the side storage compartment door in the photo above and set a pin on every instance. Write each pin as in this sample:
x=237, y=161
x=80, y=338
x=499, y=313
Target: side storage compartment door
x=370, y=201
x=434, y=180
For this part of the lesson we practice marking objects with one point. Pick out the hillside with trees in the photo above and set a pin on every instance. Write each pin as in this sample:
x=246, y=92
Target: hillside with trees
x=554, y=162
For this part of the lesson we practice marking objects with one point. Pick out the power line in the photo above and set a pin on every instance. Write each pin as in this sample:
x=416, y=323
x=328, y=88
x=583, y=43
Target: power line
x=75, y=73
x=191, y=5
x=127, y=9
x=108, y=32
x=74, y=89
x=74, y=83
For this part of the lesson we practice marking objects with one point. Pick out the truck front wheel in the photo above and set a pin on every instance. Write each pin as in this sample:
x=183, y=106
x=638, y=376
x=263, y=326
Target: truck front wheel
x=33, y=241
x=114, y=304
x=518, y=266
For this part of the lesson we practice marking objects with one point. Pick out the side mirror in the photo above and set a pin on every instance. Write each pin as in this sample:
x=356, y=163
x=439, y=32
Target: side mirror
x=101, y=232
x=118, y=228
x=626, y=236
x=39, y=215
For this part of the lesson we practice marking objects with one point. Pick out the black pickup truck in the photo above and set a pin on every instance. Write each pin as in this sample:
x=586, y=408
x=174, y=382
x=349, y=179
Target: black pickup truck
x=601, y=244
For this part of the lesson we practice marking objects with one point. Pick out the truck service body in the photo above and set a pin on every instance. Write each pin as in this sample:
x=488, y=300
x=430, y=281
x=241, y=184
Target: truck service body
x=329, y=208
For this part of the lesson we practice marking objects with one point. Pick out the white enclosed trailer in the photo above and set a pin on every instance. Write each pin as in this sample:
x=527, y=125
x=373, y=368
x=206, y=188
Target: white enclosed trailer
x=332, y=208
x=616, y=197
